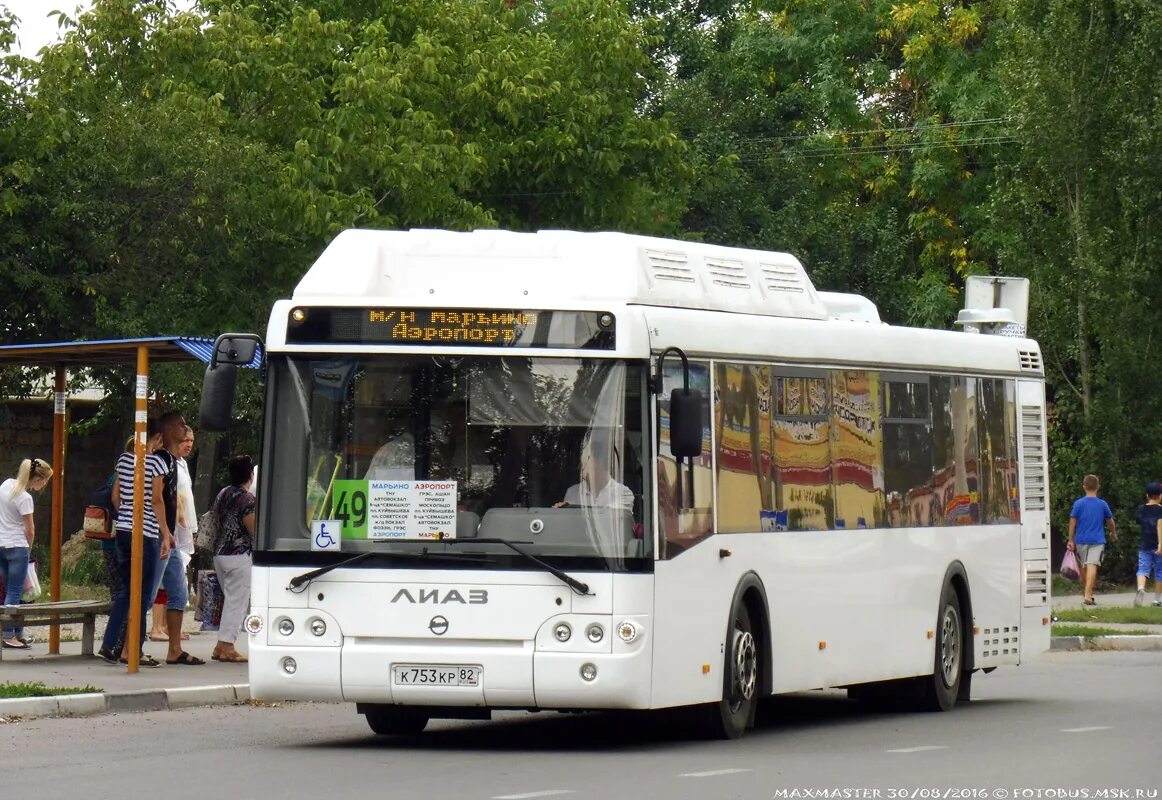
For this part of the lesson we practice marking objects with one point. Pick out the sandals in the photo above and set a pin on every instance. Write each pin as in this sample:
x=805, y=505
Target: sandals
x=187, y=659
x=144, y=661
x=232, y=656
x=16, y=644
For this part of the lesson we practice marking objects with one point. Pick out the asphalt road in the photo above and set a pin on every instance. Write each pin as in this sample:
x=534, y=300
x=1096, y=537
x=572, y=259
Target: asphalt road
x=1074, y=725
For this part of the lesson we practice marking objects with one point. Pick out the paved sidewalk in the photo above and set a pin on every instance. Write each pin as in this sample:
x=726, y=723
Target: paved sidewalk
x=150, y=689
x=1112, y=642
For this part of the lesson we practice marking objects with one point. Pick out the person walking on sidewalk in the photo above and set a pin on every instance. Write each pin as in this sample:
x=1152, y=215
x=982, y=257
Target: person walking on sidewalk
x=234, y=509
x=1087, y=523
x=1150, y=547
x=17, y=533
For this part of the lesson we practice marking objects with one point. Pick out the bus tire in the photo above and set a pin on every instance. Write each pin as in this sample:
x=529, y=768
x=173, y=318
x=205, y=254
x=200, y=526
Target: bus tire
x=941, y=691
x=387, y=720
x=735, y=712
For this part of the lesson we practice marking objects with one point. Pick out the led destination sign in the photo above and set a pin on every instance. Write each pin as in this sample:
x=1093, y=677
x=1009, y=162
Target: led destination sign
x=452, y=327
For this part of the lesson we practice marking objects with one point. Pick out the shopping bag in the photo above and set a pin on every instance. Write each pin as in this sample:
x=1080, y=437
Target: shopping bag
x=31, y=584
x=1070, y=569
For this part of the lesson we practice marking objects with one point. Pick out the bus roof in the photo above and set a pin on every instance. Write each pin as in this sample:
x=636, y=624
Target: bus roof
x=557, y=269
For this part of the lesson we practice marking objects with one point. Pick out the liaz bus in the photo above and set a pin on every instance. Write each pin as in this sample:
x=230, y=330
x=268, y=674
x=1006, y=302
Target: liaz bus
x=574, y=471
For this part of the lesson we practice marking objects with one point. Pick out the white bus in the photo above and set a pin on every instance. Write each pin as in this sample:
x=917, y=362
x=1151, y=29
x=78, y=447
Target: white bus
x=602, y=471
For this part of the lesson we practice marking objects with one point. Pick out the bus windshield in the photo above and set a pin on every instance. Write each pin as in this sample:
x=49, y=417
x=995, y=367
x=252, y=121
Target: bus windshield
x=397, y=454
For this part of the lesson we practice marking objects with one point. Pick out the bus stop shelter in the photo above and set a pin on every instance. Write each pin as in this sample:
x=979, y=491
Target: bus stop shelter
x=59, y=358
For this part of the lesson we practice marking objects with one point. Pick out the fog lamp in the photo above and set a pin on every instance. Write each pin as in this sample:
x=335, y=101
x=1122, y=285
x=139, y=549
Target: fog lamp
x=589, y=672
x=563, y=632
x=286, y=627
x=290, y=666
x=595, y=633
x=627, y=631
x=318, y=627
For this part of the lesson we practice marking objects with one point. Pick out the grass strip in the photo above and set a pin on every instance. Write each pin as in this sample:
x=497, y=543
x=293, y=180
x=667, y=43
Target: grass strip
x=1089, y=630
x=38, y=689
x=1143, y=615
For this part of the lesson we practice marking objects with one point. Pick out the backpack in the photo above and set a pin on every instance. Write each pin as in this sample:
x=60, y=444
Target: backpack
x=100, y=513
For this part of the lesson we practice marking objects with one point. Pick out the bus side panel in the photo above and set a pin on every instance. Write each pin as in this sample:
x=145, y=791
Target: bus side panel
x=692, y=602
x=846, y=606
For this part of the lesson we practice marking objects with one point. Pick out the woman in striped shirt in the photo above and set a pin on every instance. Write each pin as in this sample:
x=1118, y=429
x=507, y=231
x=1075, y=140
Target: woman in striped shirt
x=157, y=540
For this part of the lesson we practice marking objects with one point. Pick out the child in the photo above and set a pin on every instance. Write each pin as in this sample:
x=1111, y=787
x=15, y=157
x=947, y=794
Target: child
x=1087, y=522
x=1150, y=548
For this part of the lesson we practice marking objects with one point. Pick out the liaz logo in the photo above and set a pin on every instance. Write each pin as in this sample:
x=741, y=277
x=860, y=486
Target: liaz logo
x=439, y=598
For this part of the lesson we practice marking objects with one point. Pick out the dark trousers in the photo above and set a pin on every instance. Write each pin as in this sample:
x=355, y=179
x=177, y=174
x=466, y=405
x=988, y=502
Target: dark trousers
x=114, y=639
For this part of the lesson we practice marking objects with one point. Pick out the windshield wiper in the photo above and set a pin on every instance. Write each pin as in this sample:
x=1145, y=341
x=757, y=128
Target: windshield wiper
x=307, y=577
x=300, y=580
x=580, y=587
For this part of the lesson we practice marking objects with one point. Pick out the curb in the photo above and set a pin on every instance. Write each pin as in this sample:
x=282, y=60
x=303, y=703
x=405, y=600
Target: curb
x=1142, y=643
x=86, y=705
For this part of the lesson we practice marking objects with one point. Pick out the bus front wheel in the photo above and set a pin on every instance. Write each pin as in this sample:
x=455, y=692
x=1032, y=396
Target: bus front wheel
x=388, y=720
x=734, y=713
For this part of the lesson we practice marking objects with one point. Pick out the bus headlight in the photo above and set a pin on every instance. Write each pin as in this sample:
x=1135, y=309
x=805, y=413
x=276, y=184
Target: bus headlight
x=318, y=627
x=595, y=633
x=626, y=631
x=562, y=632
x=286, y=627
x=253, y=624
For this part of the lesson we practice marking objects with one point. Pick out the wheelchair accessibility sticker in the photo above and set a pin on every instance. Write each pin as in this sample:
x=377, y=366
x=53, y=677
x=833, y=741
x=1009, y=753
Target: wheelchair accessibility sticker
x=325, y=534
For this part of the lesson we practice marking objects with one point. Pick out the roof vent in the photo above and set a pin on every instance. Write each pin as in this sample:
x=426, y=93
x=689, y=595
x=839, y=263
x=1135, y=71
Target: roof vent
x=669, y=266
x=1031, y=361
x=728, y=272
x=782, y=278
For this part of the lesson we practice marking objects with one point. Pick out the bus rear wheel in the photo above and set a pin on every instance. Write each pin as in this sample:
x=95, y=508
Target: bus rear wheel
x=388, y=720
x=734, y=713
x=941, y=691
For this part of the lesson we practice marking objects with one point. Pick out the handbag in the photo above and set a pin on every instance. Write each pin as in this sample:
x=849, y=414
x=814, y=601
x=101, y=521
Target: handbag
x=208, y=528
x=1070, y=569
x=97, y=523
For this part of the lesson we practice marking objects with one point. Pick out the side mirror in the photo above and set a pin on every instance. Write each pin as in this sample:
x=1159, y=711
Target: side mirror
x=231, y=351
x=686, y=423
x=237, y=349
x=217, y=410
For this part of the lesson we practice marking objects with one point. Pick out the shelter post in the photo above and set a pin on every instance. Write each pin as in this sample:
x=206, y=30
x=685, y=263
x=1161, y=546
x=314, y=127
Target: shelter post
x=140, y=417
x=58, y=499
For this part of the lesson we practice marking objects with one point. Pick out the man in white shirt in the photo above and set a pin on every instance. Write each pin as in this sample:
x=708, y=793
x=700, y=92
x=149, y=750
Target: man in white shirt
x=597, y=488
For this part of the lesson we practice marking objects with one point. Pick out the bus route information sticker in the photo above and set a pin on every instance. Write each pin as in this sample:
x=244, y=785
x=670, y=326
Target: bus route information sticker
x=381, y=510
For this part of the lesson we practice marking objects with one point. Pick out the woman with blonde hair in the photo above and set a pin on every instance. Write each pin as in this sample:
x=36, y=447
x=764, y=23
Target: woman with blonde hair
x=17, y=533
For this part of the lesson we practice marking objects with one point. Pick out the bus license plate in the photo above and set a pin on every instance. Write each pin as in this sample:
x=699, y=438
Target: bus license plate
x=435, y=675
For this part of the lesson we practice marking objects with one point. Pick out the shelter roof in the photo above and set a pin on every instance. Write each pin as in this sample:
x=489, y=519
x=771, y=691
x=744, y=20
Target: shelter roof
x=110, y=351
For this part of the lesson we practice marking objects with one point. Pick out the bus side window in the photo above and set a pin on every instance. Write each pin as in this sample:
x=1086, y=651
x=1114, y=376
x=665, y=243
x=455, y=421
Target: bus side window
x=684, y=521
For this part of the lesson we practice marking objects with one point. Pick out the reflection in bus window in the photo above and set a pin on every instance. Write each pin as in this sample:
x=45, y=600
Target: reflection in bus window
x=803, y=492
x=857, y=449
x=745, y=463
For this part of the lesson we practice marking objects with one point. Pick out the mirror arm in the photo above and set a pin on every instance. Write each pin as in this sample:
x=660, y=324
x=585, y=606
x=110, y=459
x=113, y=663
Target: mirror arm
x=656, y=381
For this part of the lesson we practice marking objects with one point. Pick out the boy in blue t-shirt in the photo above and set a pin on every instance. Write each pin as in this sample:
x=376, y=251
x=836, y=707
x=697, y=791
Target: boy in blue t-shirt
x=1150, y=548
x=1087, y=523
